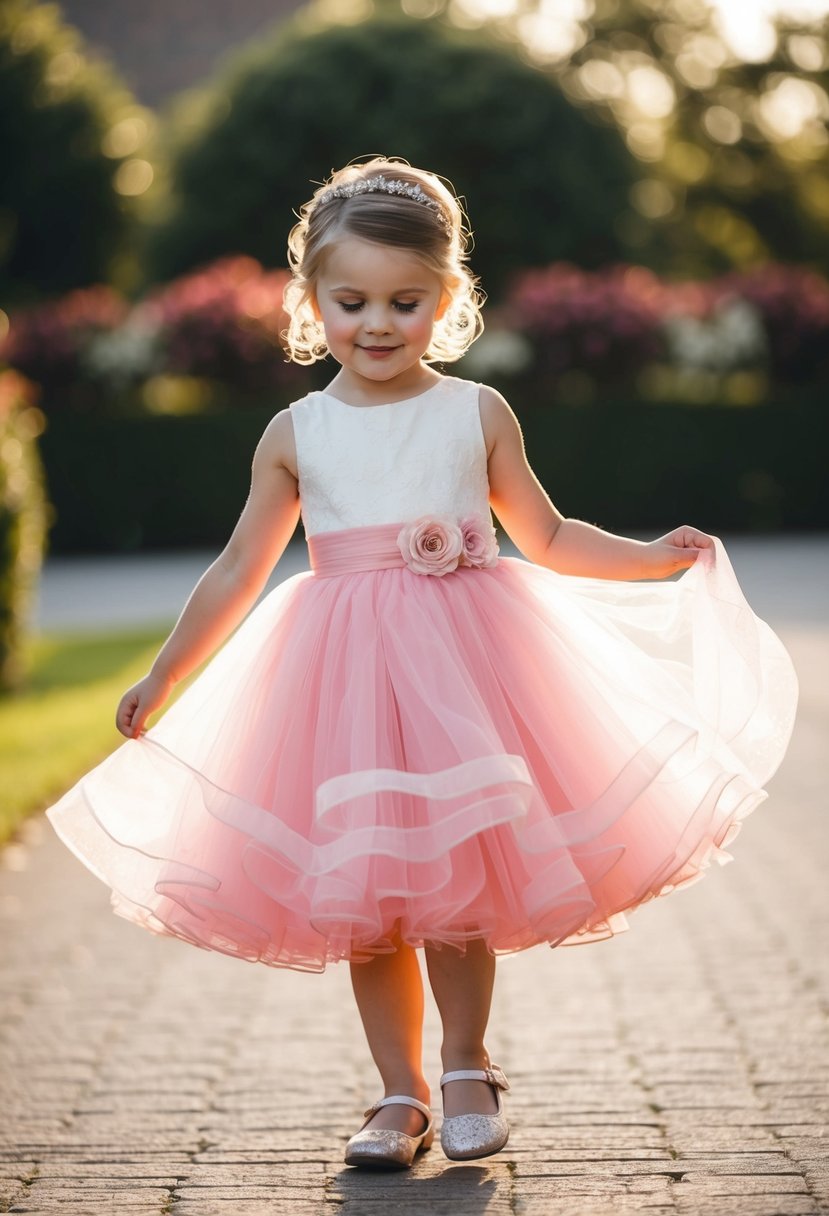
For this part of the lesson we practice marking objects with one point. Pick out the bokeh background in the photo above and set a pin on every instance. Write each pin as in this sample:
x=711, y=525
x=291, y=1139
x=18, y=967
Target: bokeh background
x=647, y=184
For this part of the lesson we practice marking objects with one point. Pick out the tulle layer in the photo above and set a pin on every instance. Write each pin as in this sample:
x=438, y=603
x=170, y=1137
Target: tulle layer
x=499, y=752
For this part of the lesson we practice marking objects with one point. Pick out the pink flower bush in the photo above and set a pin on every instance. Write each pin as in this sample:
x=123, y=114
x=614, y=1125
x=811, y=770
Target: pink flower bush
x=223, y=322
x=437, y=545
x=793, y=303
x=605, y=322
x=15, y=391
x=614, y=322
x=47, y=342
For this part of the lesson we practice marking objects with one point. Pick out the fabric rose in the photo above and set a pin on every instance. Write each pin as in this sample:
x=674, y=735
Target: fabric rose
x=431, y=545
x=480, y=547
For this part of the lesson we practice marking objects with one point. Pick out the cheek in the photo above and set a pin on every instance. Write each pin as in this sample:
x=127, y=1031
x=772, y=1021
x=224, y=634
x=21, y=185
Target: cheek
x=419, y=326
x=338, y=325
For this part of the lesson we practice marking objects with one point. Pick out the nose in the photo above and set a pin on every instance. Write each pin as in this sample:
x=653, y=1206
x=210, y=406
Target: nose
x=378, y=320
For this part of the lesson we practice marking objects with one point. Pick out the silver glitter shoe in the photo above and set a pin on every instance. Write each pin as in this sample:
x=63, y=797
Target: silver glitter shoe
x=384, y=1149
x=464, y=1137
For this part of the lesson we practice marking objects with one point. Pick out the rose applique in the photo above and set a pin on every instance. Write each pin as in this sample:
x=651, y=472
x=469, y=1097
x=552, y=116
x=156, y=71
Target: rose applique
x=437, y=545
x=480, y=548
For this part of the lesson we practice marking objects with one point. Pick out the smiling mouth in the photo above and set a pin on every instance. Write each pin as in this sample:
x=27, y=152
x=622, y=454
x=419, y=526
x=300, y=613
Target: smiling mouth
x=379, y=349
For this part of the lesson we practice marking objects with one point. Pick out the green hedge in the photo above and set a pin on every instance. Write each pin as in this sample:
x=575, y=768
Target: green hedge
x=723, y=468
x=24, y=517
x=166, y=482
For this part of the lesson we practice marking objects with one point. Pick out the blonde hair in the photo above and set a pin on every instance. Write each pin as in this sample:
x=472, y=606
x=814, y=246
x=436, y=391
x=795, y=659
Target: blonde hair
x=432, y=228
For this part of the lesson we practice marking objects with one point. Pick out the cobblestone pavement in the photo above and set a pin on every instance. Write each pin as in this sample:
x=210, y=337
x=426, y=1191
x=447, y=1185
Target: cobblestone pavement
x=680, y=1067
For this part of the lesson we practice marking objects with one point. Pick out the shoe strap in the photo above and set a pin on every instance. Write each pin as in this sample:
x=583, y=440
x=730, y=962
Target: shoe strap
x=493, y=1075
x=400, y=1100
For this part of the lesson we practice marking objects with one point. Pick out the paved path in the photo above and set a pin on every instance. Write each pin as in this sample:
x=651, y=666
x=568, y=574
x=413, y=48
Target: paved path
x=681, y=1067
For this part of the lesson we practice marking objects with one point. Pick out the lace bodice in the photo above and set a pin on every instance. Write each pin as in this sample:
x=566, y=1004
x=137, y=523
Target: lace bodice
x=364, y=465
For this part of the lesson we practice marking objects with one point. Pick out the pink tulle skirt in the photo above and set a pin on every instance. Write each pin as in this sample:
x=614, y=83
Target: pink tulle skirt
x=500, y=752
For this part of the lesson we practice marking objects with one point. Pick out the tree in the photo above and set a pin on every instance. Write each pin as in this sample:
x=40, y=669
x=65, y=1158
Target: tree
x=744, y=156
x=71, y=139
x=543, y=179
x=734, y=154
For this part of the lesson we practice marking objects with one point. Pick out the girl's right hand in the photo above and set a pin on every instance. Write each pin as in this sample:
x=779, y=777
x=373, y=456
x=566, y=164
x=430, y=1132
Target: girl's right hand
x=138, y=703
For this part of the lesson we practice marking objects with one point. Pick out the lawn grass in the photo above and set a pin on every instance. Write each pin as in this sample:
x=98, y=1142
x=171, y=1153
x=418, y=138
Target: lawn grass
x=63, y=722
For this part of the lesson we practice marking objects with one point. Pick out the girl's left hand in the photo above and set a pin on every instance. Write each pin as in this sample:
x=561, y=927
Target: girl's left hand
x=676, y=551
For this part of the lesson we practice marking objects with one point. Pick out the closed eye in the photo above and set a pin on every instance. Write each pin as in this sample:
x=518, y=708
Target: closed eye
x=398, y=305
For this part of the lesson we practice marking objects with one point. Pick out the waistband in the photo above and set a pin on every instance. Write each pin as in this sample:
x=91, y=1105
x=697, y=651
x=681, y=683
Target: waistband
x=350, y=549
x=378, y=547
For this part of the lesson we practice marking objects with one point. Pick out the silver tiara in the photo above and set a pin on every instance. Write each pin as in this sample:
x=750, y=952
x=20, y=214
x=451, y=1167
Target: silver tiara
x=385, y=185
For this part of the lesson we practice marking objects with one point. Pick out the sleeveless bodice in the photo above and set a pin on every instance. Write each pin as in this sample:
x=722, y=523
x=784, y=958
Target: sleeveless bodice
x=364, y=465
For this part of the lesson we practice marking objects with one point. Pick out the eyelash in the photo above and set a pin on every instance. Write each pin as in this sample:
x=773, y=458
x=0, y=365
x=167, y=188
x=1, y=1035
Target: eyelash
x=406, y=308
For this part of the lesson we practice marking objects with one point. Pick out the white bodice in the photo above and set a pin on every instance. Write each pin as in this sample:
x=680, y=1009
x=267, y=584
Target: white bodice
x=380, y=464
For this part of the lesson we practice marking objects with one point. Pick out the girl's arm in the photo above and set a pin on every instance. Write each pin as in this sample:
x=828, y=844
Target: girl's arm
x=231, y=585
x=546, y=537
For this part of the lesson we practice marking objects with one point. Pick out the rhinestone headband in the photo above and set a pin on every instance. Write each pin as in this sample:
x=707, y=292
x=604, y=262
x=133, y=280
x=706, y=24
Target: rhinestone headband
x=385, y=185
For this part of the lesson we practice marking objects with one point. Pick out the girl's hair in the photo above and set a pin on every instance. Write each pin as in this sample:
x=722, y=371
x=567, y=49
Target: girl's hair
x=408, y=209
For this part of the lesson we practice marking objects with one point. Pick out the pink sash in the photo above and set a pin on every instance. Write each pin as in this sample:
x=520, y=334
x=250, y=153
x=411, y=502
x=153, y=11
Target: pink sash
x=348, y=549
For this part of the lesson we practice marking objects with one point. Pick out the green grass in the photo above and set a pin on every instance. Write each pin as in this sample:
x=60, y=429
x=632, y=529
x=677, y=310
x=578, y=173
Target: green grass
x=63, y=722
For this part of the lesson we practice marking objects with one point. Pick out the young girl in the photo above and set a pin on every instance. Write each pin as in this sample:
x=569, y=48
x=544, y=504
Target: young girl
x=418, y=742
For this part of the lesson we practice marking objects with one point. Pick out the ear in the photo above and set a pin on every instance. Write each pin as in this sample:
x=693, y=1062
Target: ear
x=443, y=303
x=315, y=308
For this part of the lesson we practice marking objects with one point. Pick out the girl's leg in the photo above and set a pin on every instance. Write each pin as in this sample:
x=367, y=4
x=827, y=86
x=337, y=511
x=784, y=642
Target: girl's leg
x=389, y=993
x=462, y=985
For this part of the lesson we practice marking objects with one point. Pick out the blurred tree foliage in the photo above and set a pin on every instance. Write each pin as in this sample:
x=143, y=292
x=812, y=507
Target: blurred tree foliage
x=734, y=155
x=544, y=180
x=24, y=519
x=744, y=158
x=70, y=159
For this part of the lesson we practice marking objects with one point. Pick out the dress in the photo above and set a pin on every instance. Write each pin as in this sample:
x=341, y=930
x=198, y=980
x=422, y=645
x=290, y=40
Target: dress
x=495, y=751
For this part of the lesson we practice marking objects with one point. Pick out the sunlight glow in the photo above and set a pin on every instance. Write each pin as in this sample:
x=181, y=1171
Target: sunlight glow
x=650, y=91
x=784, y=110
x=722, y=124
x=599, y=78
x=133, y=177
x=747, y=25
x=125, y=136
x=552, y=28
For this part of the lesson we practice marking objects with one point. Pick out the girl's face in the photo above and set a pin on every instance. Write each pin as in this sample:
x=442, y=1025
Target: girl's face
x=378, y=306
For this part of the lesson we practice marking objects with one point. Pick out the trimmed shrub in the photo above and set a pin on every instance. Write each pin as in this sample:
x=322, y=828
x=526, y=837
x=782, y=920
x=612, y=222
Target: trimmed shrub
x=23, y=519
x=307, y=100
x=67, y=128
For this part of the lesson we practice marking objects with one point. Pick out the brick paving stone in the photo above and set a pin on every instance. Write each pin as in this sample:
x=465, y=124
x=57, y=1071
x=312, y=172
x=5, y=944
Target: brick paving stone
x=681, y=1068
x=696, y=1204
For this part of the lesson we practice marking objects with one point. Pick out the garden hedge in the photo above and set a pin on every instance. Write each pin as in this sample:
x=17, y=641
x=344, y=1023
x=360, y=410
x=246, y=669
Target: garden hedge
x=24, y=518
x=179, y=481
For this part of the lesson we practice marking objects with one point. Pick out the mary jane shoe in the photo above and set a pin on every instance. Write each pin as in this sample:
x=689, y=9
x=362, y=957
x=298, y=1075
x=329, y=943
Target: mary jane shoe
x=465, y=1137
x=385, y=1149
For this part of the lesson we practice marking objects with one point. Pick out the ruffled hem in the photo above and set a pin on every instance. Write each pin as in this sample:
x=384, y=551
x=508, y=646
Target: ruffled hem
x=265, y=908
x=501, y=754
